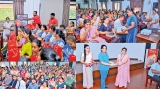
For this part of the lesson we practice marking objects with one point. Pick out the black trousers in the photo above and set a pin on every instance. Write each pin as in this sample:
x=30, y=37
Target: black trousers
x=157, y=79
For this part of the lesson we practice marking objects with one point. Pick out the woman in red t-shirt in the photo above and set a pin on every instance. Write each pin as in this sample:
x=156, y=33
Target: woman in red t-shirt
x=36, y=47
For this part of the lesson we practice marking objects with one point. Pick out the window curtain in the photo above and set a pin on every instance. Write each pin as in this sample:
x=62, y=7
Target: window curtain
x=105, y=2
x=65, y=17
x=137, y=3
x=18, y=7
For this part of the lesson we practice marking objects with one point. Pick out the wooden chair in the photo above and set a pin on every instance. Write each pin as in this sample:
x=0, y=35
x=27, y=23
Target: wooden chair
x=151, y=79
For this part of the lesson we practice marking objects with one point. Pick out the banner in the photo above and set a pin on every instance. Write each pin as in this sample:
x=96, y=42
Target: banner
x=13, y=50
x=151, y=57
x=21, y=18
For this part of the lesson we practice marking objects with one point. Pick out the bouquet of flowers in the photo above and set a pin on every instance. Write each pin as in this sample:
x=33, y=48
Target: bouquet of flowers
x=91, y=64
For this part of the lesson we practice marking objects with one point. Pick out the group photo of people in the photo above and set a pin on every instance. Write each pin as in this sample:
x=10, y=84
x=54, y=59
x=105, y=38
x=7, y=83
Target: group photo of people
x=37, y=75
x=117, y=66
x=116, y=25
x=37, y=39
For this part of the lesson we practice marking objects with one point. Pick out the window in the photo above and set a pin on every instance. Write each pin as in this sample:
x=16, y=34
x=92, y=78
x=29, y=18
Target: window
x=72, y=12
x=6, y=10
x=117, y=6
x=104, y=6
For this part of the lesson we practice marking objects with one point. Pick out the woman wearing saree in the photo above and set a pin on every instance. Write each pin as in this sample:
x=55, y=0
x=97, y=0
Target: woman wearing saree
x=123, y=62
x=107, y=29
x=132, y=26
x=95, y=20
x=86, y=60
x=90, y=33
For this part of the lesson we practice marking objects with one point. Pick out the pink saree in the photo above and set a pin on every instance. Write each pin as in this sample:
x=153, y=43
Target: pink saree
x=91, y=33
x=123, y=75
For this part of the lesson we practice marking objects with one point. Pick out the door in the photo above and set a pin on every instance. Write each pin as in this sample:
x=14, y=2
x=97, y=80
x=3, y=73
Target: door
x=116, y=5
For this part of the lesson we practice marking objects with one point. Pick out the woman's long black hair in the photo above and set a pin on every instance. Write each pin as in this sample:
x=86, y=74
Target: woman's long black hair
x=61, y=34
x=85, y=46
x=86, y=21
x=132, y=10
x=38, y=42
x=105, y=18
x=28, y=32
x=48, y=54
x=53, y=28
x=103, y=46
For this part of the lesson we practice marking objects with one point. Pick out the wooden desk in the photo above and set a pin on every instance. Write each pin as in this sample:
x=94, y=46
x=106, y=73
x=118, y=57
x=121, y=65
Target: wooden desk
x=121, y=33
x=148, y=39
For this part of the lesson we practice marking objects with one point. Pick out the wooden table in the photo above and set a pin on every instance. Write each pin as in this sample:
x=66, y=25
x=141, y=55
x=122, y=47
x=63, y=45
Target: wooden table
x=148, y=39
x=121, y=33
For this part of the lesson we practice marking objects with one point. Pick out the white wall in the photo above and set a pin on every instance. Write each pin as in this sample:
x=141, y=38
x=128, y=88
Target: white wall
x=125, y=3
x=148, y=6
x=30, y=6
x=133, y=50
x=51, y=6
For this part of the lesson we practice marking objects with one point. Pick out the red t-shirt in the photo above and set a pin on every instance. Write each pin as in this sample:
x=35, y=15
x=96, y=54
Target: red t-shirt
x=36, y=20
x=53, y=21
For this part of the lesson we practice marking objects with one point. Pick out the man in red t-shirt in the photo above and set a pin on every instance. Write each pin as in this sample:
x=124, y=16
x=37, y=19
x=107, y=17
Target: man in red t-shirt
x=35, y=18
x=53, y=21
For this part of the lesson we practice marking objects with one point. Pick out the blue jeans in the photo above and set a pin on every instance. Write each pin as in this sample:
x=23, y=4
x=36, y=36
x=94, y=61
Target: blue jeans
x=157, y=79
x=104, y=74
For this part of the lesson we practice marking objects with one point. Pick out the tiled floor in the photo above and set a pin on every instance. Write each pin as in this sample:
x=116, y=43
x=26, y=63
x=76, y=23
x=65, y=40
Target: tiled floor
x=138, y=78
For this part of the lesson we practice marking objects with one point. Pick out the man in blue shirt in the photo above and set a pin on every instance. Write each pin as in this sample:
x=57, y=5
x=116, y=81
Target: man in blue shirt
x=154, y=72
x=143, y=18
x=13, y=83
x=7, y=80
x=33, y=85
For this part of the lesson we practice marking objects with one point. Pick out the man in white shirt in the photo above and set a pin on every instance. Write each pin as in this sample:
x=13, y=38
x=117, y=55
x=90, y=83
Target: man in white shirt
x=6, y=28
x=154, y=20
x=20, y=83
x=119, y=22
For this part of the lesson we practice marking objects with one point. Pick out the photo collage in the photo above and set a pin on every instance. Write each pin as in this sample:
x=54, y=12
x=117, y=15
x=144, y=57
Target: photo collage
x=79, y=44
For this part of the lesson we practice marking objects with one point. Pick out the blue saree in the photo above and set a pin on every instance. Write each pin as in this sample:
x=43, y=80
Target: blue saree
x=131, y=36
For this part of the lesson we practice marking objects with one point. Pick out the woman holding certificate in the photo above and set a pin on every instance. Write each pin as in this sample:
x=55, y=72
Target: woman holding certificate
x=104, y=65
x=87, y=61
x=123, y=62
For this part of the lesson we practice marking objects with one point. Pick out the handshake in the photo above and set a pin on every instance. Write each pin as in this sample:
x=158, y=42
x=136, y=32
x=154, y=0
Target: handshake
x=90, y=64
x=112, y=64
